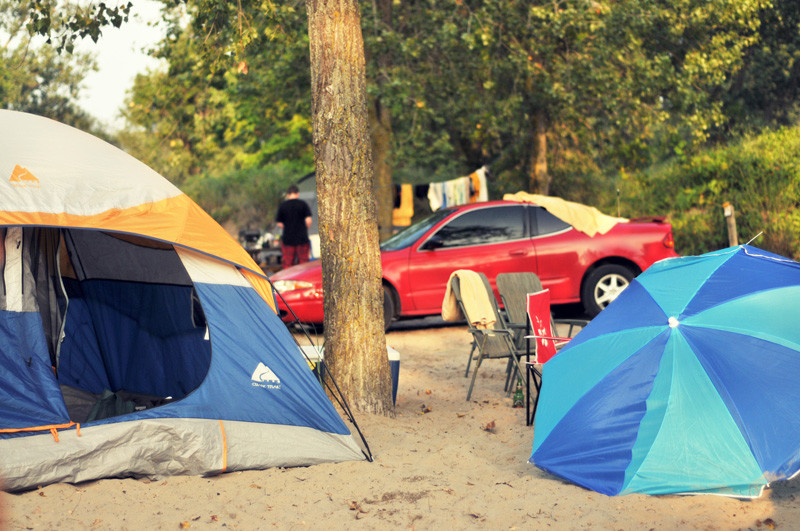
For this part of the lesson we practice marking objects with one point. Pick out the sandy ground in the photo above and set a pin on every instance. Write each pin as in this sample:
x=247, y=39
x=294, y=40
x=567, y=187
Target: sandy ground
x=435, y=467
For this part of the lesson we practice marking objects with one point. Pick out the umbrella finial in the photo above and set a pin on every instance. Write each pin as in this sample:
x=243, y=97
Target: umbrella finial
x=673, y=323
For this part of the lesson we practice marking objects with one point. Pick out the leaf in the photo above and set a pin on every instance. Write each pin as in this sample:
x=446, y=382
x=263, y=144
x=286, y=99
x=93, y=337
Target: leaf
x=489, y=427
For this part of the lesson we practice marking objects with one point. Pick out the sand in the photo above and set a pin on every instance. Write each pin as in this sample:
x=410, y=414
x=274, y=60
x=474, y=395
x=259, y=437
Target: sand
x=436, y=466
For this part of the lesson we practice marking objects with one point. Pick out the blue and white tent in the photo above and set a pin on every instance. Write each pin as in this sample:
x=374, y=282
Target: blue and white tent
x=137, y=338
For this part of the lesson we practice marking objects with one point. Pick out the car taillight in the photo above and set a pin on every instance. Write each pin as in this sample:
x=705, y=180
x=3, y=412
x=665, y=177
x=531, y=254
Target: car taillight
x=668, y=241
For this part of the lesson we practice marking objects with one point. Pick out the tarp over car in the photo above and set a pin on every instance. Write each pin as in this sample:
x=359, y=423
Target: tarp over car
x=584, y=218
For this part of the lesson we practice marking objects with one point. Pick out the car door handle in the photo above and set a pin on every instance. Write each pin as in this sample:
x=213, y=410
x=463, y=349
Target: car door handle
x=517, y=253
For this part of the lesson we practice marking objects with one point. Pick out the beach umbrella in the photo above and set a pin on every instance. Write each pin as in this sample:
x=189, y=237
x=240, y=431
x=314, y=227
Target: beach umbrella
x=689, y=382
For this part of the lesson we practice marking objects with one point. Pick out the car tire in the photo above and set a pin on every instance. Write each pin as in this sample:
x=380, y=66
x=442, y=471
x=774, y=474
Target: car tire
x=603, y=285
x=388, y=308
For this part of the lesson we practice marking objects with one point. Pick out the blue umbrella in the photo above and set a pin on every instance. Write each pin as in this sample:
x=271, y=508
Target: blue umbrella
x=689, y=382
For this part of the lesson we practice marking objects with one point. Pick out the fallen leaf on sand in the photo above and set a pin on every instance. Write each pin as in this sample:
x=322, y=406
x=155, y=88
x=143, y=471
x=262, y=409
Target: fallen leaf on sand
x=42, y=494
x=461, y=415
x=489, y=427
x=428, y=391
x=425, y=409
x=214, y=518
x=353, y=505
x=254, y=486
x=769, y=523
x=185, y=525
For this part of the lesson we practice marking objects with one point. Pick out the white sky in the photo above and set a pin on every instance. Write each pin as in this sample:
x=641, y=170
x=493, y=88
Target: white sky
x=120, y=56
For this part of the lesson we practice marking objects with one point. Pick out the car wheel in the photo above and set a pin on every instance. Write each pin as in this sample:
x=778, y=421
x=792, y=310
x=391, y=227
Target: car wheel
x=603, y=285
x=388, y=308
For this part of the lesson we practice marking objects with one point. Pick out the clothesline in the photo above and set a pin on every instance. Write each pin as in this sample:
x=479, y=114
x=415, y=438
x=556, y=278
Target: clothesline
x=458, y=191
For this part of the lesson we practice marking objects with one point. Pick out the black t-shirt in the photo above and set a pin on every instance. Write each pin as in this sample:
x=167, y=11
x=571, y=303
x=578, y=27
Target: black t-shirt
x=293, y=213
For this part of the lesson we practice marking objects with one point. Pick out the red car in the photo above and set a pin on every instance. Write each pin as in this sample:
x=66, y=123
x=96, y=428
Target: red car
x=494, y=237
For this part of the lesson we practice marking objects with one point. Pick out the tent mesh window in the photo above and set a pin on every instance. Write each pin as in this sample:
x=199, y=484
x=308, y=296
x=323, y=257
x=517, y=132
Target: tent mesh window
x=134, y=333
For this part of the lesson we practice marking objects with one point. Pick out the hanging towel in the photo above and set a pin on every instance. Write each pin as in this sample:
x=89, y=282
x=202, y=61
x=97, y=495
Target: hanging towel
x=436, y=196
x=475, y=187
x=475, y=298
x=483, y=189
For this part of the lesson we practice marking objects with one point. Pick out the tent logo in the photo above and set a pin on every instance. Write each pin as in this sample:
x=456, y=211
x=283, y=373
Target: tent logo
x=22, y=177
x=264, y=377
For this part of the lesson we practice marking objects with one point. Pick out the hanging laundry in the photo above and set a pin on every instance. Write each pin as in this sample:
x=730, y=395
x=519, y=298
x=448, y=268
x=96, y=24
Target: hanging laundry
x=436, y=196
x=459, y=191
x=401, y=216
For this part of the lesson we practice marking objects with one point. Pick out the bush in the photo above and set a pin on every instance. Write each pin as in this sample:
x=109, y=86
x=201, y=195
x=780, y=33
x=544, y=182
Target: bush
x=244, y=198
x=759, y=175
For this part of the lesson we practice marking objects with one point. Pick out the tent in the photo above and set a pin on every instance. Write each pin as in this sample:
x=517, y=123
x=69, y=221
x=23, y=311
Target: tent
x=686, y=383
x=137, y=338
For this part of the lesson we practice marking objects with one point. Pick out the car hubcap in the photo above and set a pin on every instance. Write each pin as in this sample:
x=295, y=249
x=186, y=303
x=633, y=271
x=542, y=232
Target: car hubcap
x=609, y=288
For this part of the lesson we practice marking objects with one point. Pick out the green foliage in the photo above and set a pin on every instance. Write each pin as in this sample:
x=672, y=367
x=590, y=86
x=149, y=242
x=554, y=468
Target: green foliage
x=35, y=78
x=62, y=25
x=246, y=198
x=224, y=115
x=759, y=175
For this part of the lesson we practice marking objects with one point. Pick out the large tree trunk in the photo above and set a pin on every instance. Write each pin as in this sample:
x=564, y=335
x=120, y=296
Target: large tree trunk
x=538, y=176
x=355, y=344
x=381, y=127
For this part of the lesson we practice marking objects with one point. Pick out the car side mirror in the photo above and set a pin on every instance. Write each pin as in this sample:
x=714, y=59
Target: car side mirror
x=435, y=242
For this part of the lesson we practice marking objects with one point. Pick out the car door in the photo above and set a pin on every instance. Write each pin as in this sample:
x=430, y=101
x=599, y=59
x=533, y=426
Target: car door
x=492, y=240
x=559, y=254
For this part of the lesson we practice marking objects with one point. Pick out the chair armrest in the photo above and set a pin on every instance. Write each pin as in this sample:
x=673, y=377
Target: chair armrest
x=491, y=331
x=572, y=323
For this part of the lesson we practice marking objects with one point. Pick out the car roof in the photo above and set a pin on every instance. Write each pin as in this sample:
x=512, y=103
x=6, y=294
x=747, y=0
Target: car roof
x=482, y=204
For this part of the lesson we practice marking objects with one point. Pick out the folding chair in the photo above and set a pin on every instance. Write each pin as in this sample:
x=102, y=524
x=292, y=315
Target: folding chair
x=513, y=289
x=547, y=344
x=492, y=340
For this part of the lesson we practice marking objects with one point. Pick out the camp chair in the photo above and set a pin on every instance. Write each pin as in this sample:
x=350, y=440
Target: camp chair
x=514, y=289
x=494, y=341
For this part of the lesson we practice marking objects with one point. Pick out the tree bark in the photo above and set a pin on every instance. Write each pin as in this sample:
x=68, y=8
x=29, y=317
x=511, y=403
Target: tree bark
x=355, y=343
x=381, y=127
x=539, y=178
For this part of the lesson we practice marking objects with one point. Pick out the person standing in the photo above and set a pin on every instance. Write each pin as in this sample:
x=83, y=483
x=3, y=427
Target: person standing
x=294, y=218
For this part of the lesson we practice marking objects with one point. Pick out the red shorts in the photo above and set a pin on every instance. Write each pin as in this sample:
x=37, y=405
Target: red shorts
x=295, y=254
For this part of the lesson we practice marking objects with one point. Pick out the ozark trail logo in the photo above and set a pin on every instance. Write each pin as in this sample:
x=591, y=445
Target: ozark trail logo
x=22, y=177
x=264, y=377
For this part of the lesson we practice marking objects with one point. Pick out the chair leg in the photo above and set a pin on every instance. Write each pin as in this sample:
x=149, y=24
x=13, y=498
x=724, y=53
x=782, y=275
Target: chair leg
x=536, y=376
x=475, y=371
x=469, y=360
x=474, y=374
x=511, y=375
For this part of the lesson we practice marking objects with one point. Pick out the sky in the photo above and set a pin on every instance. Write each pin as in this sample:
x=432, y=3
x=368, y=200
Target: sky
x=119, y=58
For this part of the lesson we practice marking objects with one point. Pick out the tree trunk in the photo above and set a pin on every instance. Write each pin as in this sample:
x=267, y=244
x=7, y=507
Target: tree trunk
x=355, y=344
x=539, y=178
x=381, y=127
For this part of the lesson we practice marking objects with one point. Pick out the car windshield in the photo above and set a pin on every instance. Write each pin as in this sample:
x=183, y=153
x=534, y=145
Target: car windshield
x=412, y=233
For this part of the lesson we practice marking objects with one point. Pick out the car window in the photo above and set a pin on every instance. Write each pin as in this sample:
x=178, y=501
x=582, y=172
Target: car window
x=412, y=233
x=484, y=226
x=543, y=222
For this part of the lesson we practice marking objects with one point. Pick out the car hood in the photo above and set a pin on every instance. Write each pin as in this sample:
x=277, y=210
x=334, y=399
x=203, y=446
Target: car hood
x=305, y=271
